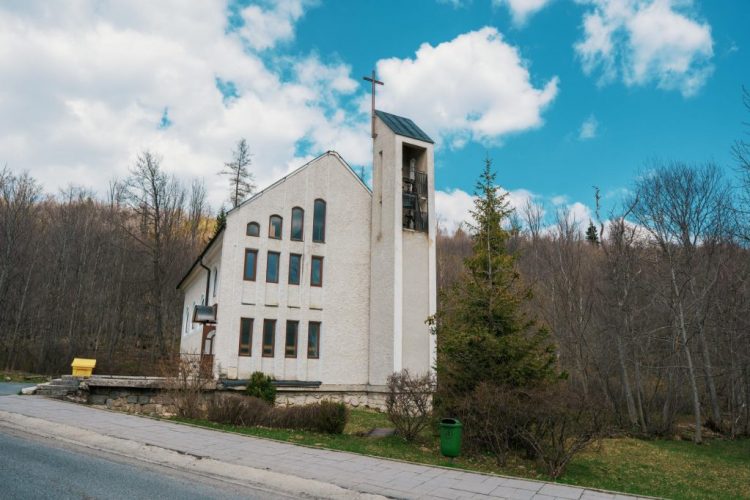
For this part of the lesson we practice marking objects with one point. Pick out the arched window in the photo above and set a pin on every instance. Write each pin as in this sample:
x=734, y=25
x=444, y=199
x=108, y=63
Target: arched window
x=253, y=229
x=298, y=223
x=216, y=280
x=274, y=227
x=319, y=221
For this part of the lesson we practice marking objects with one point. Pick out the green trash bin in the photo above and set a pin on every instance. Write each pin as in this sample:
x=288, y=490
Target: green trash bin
x=450, y=437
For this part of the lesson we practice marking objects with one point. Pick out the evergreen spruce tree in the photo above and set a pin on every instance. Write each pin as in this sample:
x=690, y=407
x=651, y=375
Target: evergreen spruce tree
x=592, y=235
x=221, y=221
x=483, y=333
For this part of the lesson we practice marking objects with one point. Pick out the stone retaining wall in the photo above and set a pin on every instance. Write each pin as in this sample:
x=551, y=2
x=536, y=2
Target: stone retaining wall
x=153, y=402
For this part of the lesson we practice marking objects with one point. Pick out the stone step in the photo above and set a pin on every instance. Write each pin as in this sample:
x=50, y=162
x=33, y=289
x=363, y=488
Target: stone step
x=64, y=382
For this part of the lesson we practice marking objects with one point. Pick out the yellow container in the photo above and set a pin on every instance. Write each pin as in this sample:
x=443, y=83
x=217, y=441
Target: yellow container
x=83, y=367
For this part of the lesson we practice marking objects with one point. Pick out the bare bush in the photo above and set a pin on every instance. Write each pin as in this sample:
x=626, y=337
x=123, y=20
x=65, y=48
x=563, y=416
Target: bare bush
x=557, y=423
x=409, y=402
x=187, y=383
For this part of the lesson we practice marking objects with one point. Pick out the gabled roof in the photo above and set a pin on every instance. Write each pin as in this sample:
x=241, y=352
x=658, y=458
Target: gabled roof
x=333, y=154
x=217, y=236
x=200, y=257
x=403, y=126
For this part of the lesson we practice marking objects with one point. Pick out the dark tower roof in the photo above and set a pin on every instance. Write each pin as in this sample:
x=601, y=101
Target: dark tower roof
x=403, y=126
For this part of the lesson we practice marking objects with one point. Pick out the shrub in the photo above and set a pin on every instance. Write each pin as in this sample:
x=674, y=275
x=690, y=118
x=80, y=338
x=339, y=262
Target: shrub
x=226, y=408
x=237, y=409
x=488, y=417
x=327, y=417
x=409, y=402
x=261, y=386
x=558, y=423
x=187, y=381
x=550, y=424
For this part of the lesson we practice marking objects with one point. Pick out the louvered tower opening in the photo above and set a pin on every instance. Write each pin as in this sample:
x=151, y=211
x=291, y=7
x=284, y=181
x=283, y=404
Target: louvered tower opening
x=414, y=182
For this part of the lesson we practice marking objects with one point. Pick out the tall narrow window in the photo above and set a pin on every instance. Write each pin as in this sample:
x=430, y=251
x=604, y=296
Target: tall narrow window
x=313, y=340
x=246, y=336
x=272, y=267
x=274, y=227
x=290, y=347
x=298, y=223
x=316, y=271
x=251, y=264
x=253, y=229
x=216, y=280
x=319, y=221
x=269, y=337
x=295, y=268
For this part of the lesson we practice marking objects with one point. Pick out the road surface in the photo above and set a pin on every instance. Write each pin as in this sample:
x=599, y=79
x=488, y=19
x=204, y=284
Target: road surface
x=32, y=468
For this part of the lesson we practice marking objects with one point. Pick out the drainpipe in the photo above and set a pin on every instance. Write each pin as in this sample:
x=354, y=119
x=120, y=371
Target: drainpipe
x=208, y=280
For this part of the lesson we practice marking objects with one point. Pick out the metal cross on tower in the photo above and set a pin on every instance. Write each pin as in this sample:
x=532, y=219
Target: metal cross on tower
x=374, y=82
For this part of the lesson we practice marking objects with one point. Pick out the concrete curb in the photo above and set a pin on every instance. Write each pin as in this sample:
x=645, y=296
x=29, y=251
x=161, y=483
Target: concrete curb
x=202, y=466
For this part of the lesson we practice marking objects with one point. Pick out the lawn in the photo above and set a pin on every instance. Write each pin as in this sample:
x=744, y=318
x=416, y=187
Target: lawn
x=16, y=376
x=673, y=469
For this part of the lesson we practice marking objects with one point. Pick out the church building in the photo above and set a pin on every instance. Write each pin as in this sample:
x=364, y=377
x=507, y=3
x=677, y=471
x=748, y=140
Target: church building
x=321, y=282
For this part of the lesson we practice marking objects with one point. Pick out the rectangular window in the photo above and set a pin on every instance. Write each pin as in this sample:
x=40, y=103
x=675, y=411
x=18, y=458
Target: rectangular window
x=269, y=337
x=295, y=266
x=246, y=336
x=313, y=340
x=251, y=264
x=290, y=347
x=272, y=267
x=316, y=271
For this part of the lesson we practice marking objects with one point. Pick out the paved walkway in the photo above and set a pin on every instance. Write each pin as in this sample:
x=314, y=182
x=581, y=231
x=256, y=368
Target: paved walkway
x=351, y=471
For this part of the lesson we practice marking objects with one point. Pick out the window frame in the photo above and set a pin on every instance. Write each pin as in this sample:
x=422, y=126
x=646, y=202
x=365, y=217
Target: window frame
x=299, y=269
x=255, y=265
x=270, y=227
x=301, y=211
x=317, y=343
x=256, y=226
x=278, y=265
x=323, y=228
x=250, y=339
x=273, y=339
x=312, y=270
x=290, y=322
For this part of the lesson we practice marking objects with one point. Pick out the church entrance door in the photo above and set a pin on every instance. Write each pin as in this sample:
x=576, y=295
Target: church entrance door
x=207, y=350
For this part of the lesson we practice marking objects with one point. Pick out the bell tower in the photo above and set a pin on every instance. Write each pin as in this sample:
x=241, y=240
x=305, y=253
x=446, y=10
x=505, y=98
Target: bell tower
x=402, y=258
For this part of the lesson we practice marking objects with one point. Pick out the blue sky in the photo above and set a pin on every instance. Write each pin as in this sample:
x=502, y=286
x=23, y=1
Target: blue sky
x=561, y=94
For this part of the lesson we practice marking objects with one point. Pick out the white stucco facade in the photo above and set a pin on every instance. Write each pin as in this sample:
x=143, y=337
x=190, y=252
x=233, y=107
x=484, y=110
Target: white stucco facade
x=378, y=276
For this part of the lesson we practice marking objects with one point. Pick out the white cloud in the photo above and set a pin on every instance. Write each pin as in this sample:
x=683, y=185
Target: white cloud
x=589, y=128
x=86, y=84
x=453, y=206
x=647, y=41
x=264, y=28
x=474, y=87
x=521, y=10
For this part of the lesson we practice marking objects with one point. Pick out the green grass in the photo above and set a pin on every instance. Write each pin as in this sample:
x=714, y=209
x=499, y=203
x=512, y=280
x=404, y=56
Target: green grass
x=673, y=469
x=15, y=376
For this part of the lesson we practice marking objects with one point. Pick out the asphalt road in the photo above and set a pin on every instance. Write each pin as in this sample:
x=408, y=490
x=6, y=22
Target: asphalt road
x=32, y=468
x=8, y=388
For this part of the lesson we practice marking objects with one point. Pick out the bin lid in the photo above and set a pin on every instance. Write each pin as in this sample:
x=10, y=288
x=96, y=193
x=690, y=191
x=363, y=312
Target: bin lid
x=83, y=363
x=450, y=421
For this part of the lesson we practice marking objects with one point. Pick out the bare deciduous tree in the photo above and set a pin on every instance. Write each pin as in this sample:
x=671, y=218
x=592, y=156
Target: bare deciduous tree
x=240, y=178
